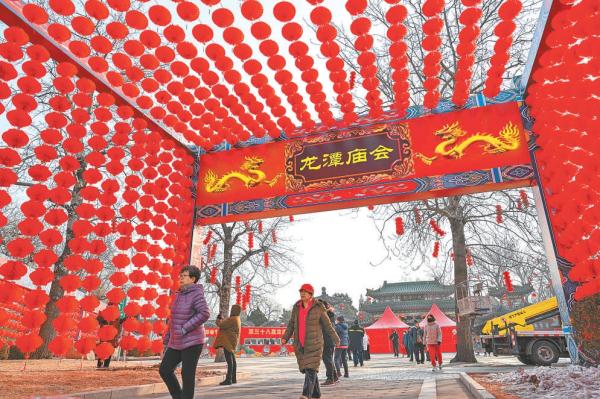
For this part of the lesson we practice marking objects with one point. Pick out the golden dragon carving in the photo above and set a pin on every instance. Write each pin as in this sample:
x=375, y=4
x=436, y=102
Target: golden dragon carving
x=252, y=177
x=508, y=139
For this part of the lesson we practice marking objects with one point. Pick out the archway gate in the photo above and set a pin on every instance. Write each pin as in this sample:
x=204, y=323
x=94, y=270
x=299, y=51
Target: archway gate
x=163, y=95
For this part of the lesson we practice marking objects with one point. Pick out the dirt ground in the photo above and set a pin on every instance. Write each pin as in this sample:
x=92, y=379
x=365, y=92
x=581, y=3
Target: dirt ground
x=493, y=387
x=53, y=377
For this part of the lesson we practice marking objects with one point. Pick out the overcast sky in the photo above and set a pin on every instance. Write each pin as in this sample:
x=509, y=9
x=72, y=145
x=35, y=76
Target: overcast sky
x=336, y=250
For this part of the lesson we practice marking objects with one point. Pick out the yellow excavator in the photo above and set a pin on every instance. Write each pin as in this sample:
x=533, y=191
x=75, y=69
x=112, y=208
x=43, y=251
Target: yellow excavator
x=532, y=333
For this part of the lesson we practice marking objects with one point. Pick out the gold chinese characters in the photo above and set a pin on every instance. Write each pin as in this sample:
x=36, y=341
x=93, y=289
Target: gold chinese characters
x=336, y=159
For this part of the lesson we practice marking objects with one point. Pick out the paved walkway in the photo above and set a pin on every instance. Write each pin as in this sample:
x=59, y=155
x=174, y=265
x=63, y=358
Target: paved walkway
x=383, y=377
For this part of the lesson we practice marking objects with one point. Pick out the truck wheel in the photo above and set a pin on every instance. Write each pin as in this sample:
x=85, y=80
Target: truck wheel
x=544, y=353
x=525, y=360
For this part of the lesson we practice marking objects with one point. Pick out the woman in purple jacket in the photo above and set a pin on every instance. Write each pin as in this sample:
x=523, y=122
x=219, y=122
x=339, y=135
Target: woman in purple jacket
x=185, y=336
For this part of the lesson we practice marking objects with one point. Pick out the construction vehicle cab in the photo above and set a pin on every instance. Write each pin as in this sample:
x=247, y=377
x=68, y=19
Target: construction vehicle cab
x=532, y=333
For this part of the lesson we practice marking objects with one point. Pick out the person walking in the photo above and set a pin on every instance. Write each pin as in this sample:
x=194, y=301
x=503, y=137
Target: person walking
x=185, y=335
x=419, y=345
x=341, y=351
x=308, y=323
x=405, y=342
x=366, y=348
x=356, y=334
x=228, y=338
x=395, y=340
x=411, y=341
x=329, y=349
x=433, y=340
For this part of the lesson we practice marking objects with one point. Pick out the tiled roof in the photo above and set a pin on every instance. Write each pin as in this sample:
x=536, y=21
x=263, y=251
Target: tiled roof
x=410, y=306
x=411, y=287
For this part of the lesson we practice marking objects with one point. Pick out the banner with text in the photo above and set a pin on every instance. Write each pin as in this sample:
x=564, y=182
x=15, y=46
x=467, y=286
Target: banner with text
x=479, y=149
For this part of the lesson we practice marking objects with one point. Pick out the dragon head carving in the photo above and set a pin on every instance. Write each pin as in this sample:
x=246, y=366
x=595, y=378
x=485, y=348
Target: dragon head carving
x=252, y=163
x=449, y=131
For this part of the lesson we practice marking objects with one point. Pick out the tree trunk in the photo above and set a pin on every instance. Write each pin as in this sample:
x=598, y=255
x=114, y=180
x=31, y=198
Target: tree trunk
x=225, y=289
x=47, y=332
x=464, y=343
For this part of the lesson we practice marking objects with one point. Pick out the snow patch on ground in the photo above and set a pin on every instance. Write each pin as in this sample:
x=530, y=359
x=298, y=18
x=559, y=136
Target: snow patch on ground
x=574, y=382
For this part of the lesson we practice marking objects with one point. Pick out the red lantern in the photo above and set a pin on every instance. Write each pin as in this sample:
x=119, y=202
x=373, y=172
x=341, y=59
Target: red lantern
x=250, y=240
x=28, y=343
x=418, y=218
x=399, y=226
x=64, y=323
x=524, y=198
x=436, y=249
x=499, y=218
x=266, y=256
x=508, y=281
x=469, y=258
x=213, y=275
x=104, y=350
x=60, y=345
x=208, y=237
x=107, y=333
x=33, y=319
x=284, y=11
x=436, y=228
x=110, y=313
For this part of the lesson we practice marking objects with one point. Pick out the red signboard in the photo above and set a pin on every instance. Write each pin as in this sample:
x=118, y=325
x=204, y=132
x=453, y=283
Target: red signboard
x=393, y=158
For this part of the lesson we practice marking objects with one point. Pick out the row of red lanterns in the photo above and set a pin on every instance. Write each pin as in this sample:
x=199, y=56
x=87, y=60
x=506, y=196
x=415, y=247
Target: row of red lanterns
x=467, y=41
x=79, y=244
x=561, y=100
x=507, y=12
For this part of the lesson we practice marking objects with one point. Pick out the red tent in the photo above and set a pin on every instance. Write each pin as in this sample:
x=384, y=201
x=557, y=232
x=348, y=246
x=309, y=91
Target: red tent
x=380, y=331
x=447, y=325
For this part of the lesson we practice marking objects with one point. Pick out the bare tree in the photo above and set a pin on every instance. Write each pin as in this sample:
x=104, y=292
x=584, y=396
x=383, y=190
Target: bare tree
x=376, y=11
x=239, y=249
x=456, y=211
x=473, y=226
x=235, y=257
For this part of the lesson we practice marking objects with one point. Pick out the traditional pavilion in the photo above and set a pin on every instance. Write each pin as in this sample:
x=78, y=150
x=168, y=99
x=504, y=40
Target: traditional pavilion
x=409, y=299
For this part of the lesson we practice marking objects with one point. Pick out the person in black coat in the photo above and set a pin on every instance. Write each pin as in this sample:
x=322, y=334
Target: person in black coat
x=356, y=334
x=419, y=346
x=395, y=338
x=329, y=349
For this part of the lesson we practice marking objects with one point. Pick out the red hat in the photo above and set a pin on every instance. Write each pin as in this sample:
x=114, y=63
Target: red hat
x=307, y=288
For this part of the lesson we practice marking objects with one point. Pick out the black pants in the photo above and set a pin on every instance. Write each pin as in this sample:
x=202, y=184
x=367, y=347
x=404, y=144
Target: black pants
x=103, y=363
x=419, y=350
x=410, y=351
x=231, y=366
x=341, y=359
x=328, y=361
x=396, y=351
x=357, y=356
x=188, y=358
x=311, y=384
x=367, y=353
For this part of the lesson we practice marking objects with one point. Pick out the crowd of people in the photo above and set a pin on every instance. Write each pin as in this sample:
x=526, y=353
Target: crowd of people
x=318, y=336
x=416, y=339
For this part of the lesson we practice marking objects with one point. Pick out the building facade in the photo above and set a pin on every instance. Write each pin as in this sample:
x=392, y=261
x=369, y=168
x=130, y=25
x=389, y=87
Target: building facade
x=410, y=300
